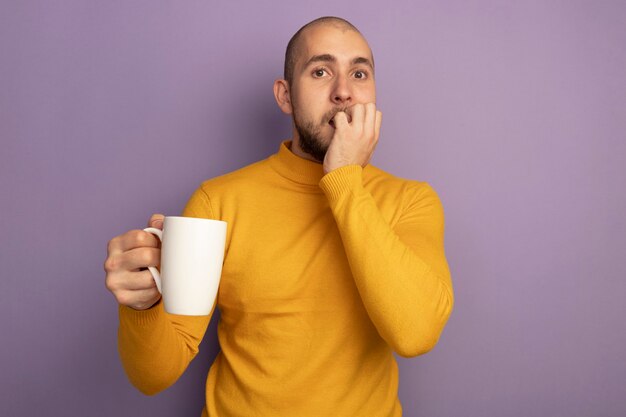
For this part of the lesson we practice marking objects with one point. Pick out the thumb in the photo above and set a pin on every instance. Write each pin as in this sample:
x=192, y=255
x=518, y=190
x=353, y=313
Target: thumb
x=156, y=221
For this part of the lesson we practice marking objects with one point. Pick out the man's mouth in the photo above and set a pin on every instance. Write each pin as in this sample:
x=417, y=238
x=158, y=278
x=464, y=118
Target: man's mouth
x=332, y=122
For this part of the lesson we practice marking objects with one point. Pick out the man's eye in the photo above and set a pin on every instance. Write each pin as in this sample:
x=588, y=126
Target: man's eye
x=319, y=72
x=360, y=74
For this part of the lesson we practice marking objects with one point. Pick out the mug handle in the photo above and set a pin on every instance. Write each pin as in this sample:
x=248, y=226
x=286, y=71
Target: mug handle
x=155, y=272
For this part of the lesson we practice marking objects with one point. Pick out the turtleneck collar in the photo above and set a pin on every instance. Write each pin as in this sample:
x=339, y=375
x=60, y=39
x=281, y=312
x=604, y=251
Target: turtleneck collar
x=295, y=168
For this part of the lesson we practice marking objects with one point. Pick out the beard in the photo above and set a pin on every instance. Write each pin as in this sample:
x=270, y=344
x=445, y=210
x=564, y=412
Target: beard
x=311, y=136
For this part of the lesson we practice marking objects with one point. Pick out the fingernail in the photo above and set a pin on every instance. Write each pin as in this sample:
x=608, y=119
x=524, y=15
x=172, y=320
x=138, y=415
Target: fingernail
x=157, y=223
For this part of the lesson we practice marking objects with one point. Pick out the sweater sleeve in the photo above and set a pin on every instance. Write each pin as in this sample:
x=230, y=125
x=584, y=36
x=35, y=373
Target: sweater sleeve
x=401, y=272
x=156, y=347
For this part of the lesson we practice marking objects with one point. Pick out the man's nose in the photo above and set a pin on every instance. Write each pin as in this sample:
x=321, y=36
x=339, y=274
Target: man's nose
x=341, y=93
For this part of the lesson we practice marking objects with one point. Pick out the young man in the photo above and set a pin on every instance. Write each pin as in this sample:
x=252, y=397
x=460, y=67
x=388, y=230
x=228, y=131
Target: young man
x=331, y=264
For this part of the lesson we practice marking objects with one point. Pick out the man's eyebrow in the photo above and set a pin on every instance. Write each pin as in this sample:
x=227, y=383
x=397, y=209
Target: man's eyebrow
x=331, y=58
x=363, y=60
x=320, y=58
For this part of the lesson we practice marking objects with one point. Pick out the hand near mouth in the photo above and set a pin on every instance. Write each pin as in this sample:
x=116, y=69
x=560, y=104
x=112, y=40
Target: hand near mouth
x=356, y=135
x=347, y=111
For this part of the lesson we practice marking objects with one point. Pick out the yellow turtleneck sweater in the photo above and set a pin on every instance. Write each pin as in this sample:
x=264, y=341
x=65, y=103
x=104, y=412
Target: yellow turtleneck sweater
x=324, y=277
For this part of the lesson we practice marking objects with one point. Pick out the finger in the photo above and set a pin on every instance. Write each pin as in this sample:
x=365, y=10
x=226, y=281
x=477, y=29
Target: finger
x=379, y=121
x=369, y=126
x=131, y=261
x=142, y=280
x=131, y=281
x=341, y=120
x=358, y=115
x=139, y=300
x=156, y=220
x=133, y=239
x=137, y=239
x=128, y=282
x=138, y=258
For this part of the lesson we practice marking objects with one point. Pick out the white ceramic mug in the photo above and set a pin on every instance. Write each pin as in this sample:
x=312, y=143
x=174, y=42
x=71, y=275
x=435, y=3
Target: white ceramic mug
x=192, y=254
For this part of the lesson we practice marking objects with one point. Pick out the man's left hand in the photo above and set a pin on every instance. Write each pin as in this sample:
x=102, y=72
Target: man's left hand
x=354, y=141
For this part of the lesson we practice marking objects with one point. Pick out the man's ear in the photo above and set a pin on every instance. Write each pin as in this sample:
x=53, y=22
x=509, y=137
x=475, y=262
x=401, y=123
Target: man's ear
x=282, y=96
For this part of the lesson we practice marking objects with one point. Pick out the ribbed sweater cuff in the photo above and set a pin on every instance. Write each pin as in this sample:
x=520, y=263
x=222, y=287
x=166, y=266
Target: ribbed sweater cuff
x=336, y=183
x=141, y=317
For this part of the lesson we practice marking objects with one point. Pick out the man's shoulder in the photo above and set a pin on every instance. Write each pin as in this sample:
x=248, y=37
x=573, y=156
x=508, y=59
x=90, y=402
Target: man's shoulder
x=376, y=177
x=395, y=195
x=246, y=176
x=399, y=192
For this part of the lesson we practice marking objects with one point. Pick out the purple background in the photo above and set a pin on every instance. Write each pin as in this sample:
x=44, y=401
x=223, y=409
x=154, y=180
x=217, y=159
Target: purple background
x=515, y=113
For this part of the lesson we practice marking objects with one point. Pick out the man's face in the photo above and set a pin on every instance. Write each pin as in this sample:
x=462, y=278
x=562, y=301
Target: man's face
x=334, y=71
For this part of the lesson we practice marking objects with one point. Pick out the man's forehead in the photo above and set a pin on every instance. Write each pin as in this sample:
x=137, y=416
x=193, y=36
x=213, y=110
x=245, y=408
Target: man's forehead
x=330, y=39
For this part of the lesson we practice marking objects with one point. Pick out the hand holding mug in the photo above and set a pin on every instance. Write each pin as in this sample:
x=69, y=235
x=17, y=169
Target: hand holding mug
x=191, y=257
x=129, y=256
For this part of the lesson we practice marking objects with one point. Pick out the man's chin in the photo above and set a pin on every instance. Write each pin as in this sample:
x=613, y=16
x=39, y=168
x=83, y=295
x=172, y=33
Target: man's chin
x=324, y=137
x=315, y=142
x=316, y=148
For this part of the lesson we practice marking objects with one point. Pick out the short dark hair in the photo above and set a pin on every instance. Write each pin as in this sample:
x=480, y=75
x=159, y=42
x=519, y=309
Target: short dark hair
x=291, y=54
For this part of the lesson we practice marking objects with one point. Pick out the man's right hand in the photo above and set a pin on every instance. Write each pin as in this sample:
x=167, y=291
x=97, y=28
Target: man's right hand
x=128, y=257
